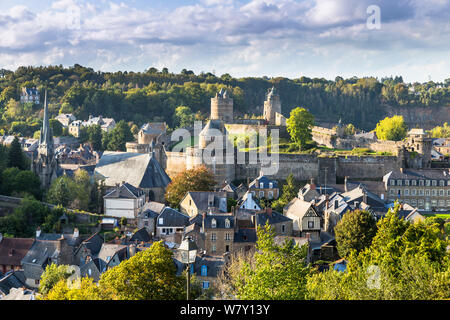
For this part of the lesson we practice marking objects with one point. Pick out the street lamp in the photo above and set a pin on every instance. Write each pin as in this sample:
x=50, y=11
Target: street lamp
x=188, y=250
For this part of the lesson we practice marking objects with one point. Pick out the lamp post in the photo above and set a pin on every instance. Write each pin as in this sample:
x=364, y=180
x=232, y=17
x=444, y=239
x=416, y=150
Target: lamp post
x=188, y=250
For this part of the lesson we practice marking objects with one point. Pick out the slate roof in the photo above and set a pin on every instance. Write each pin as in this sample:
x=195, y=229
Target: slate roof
x=94, y=243
x=153, y=206
x=70, y=239
x=154, y=128
x=40, y=252
x=434, y=174
x=220, y=221
x=358, y=193
x=13, y=250
x=140, y=170
x=125, y=191
x=200, y=199
x=298, y=207
x=11, y=280
x=172, y=218
x=108, y=251
x=141, y=235
x=272, y=218
x=95, y=266
x=255, y=184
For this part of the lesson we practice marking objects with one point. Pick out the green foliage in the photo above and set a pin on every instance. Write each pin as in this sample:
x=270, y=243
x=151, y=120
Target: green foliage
x=405, y=261
x=183, y=117
x=51, y=276
x=276, y=272
x=148, y=275
x=16, y=157
x=197, y=179
x=393, y=129
x=299, y=126
x=116, y=140
x=354, y=232
x=20, y=183
x=290, y=190
x=441, y=132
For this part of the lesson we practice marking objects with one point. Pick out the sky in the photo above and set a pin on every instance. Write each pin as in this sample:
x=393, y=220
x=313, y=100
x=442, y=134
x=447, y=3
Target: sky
x=245, y=38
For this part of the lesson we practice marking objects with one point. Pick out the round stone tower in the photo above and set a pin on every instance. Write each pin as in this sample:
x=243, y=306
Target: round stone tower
x=222, y=107
x=272, y=106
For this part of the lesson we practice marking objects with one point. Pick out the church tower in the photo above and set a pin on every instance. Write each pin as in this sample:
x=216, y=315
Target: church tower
x=45, y=165
x=272, y=106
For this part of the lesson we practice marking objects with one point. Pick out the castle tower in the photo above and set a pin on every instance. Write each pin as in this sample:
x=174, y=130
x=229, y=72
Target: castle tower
x=222, y=107
x=418, y=142
x=45, y=166
x=272, y=106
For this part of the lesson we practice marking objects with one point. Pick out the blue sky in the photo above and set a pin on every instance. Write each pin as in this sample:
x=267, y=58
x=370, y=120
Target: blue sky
x=290, y=38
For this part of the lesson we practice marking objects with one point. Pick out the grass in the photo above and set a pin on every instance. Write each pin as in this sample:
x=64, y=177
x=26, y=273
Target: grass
x=444, y=216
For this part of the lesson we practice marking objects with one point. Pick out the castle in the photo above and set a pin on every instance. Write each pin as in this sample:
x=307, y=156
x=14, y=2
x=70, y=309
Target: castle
x=45, y=166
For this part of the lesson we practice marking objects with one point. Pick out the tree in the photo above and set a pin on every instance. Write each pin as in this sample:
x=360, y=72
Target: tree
x=148, y=275
x=274, y=272
x=441, y=132
x=61, y=191
x=119, y=136
x=393, y=129
x=355, y=231
x=20, y=183
x=405, y=261
x=299, y=126
x=183, y=117
x=51, y=276
x=197, y=179
x=56, y=126
x=94, y=135
x=16, y=157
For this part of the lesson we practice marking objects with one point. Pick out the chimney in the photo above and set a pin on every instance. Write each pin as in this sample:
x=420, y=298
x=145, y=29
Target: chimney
x=336, y=203
x=365, y=197
x=269, y=211
x=88, y=258
x=248, y=182
x=345, y=184
x=38, y=232
x=76, y=233
x=308, y=236
x=356, y=203
x=203, y=222
x=313, y=184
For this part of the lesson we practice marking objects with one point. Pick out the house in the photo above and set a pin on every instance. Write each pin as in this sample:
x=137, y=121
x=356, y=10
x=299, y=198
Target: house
x=281, y=225
x=263, y=187
x=75, y=127
x=43, y=253
x=148, y=215
x=141, y=235
x=111, y=255
x=124, y=201
x=230, y=189
x=306, y=218
x=106, y=124
x=151, y=131
x=12, y=251
x=11, y=280
x=249, y=202
x=91, y=269
x=142, y=171
x=65, y=119
x=197, y=202
x=171, y=222
x=88, y=249
x=29, y=95
x=216, y=232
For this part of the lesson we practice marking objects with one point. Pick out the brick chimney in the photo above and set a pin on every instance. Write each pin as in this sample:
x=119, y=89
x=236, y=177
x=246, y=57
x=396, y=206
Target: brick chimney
x=203, y=222
x=269, y=211
x=313, y=184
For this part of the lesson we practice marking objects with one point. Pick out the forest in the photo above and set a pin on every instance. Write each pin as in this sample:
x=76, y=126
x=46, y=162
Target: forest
x=154, y=95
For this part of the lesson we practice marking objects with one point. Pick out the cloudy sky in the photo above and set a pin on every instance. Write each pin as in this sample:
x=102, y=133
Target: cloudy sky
x=290, y=38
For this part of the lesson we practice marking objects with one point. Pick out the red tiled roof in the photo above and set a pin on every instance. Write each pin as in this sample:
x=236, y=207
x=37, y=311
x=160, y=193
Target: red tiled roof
x=13, y=250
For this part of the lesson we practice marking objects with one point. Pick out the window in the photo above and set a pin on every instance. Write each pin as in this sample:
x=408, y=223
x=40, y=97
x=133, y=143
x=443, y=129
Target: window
x=270, y=185
x=441, y=192
x=448, y=203
x=227, y=223
x=399, y=192
x=392, y=192
x=205, y=284
x=261, y=185
x=441, y=203
x=406, y=182
x=421, y=183
x=420, y=192
x=434, y=193
x=442, y=183
x=392, y=182
x=406, y=192
x=413, y=182
x=413, y=192
x=227, y=248
x=310, y=224
x=427, y=192
x=227, y=237
x=448, y=193
x=413, y=202
x=428, y=183
x=161, y=220
x=399, y=182
x=213, y=248
x=434, y=183
x=270, y=194
x=283, y=228
x=204, y=271
x=213, y=237
x=261, y=194
x=213, y=223
x=421, y=202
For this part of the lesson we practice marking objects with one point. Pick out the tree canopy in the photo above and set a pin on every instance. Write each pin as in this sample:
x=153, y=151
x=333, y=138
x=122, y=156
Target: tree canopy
x=299, y=126
x=393, y=128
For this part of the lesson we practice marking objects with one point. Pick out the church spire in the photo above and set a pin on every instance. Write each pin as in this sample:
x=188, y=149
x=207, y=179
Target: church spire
x=45, y=132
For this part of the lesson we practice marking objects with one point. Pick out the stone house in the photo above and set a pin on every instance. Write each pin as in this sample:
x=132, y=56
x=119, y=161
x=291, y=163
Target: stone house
x=282, y=225
x=249, y=202
x=124, y=201
x=263, y=187
x=306, y=218
x=12, y=251
x=171, y=222
x=29, y=95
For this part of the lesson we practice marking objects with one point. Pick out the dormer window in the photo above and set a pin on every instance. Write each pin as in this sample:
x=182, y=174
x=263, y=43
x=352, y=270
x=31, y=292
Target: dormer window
x=227, y=223
x=213, y=223
x=261, y=185
x=270, y=185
